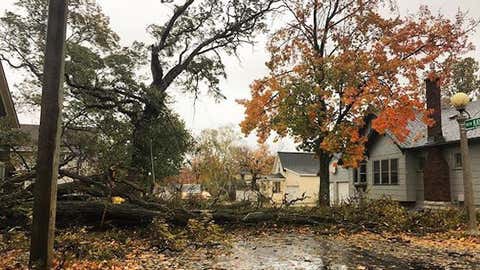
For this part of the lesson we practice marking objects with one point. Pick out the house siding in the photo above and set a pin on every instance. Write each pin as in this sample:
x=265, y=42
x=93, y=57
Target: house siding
x=414, y=177
x=411, y=187
x=342, y=175
x=294, y=182
x=385, y=148
x=456, y=174
x=309, y=185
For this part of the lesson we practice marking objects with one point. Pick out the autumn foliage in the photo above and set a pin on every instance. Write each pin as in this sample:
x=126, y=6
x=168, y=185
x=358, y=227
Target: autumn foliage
x=339, y=61
x=256, y=162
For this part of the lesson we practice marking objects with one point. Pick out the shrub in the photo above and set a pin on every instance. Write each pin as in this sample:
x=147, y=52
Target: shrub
x=429, y=220
x=163, y=237
x=387, y=215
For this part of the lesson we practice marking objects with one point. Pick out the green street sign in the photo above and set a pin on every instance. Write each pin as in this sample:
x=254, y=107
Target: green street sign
x=472, y=123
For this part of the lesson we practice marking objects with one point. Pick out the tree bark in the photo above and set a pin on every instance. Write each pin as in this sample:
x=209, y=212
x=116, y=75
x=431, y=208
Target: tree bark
x=323, y=173
x=140, y=134
x=253, y=182
x=88, y=212
x=151, y=112
x=45, y=194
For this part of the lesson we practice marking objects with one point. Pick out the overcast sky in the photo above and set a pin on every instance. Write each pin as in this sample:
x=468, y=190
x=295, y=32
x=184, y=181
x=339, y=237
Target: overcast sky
x=130, y=18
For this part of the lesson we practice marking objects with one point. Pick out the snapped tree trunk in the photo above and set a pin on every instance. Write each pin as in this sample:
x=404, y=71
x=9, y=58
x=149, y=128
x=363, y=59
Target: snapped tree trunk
x=323, y=173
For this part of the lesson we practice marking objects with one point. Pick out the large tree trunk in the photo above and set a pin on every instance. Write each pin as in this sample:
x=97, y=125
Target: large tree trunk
x=151, y=112
x=140, y=161
x=89, y=212
x=324, y=192
x=253, y=183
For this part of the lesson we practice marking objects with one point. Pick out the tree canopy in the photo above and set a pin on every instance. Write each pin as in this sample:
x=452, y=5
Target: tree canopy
x=464, y=77
x=338, y=61
x=107, y=86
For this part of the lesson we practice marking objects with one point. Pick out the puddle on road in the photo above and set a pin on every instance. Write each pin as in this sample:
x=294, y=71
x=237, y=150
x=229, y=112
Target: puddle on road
x=285, y=251
x=291, y=250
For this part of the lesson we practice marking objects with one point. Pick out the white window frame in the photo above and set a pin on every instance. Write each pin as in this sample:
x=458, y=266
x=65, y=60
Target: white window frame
x=358, y=173
x=387, y=173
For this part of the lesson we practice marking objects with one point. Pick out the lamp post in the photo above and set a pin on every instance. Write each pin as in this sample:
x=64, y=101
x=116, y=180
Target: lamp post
x=460, y=101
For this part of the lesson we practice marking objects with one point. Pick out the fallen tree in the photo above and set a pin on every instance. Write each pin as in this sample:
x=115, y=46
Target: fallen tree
x=87, y=200
x=91, y=212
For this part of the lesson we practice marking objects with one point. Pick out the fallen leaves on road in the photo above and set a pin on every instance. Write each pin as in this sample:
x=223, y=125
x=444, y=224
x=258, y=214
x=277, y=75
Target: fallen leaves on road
x=248, y=247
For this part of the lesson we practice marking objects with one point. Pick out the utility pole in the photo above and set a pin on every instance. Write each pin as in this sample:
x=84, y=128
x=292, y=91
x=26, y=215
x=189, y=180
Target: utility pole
x=45, y=187
x=460, y=101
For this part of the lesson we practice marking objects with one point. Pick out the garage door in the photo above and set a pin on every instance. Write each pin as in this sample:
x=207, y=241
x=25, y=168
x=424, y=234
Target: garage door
x=333, y=198
x=343, y=192
x=292, y=192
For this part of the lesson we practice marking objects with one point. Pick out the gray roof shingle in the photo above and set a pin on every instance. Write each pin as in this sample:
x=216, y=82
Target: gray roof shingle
x=418, y=129
x=307, y=163
x=299, y=162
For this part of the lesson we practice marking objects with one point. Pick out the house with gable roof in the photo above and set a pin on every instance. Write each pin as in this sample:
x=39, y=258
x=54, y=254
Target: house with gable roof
x=425, y=168
x=294, y=176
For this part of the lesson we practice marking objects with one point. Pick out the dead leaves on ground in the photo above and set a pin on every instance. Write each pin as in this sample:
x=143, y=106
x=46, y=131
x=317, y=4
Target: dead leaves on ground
x=126, y=249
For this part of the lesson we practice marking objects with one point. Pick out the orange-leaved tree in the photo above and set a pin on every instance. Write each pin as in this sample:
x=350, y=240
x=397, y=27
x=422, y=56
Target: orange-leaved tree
x=257, y=162
x=338, y=61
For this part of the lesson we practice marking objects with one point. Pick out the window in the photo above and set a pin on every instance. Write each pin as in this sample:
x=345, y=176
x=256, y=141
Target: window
x=376, y=172
x=276, y=187
x=360, y=174
x=363, y=172
x=384, y=169
x=385, y=172
x=458, y=160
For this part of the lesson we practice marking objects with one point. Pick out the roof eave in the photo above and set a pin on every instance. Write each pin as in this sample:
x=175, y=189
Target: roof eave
x=300, y=174
x=445, y=143
x=7, y=99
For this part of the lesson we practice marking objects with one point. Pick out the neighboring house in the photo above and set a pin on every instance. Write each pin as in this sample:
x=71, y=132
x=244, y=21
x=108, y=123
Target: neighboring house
x=191, y=191
x=425, y=168
x=72, y=140
x=186, y=191
x=294, y=176
x=7, y=109
x=71, y=155
x=8, y=117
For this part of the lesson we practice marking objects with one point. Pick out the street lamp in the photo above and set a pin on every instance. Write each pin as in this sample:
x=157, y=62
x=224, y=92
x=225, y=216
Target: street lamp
x=460, y=101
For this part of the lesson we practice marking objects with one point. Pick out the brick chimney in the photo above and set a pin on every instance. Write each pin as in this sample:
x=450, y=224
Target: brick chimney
x=436, y=173
x=434, y=102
